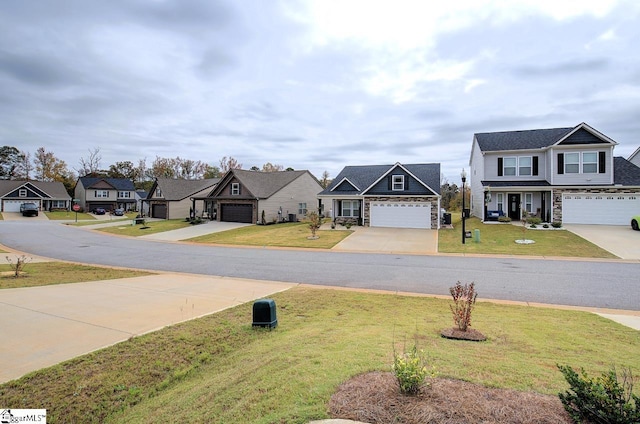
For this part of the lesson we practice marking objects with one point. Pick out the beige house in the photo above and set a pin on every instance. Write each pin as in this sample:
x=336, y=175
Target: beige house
x=263, y=197
x=106, y=193
x=171, y=198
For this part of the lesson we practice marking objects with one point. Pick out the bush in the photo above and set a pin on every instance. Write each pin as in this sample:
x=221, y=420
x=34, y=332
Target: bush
x=504, y=219
x=556, y=224
x=603, y=399
x=411, y=371
x=545, y=225
x=534, y=220
x=464, y=297
x=533, y=226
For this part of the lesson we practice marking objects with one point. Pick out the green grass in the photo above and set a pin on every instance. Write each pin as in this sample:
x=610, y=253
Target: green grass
x=500, y=239
x=48, y=273
x=151, y=227
x=218, y=369
x=280, y=235
x=68, y=216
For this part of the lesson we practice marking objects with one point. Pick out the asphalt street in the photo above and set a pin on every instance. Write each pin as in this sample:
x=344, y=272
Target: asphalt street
x=590, y=283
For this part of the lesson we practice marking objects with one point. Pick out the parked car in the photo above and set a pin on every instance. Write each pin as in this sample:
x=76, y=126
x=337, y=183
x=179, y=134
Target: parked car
x=29, y=209
x=635, y=222
x=99, y=211
x=118, y=212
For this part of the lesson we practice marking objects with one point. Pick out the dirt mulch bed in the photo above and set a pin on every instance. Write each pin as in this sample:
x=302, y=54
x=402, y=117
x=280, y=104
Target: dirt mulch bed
x=375, y=398
x=470, y=334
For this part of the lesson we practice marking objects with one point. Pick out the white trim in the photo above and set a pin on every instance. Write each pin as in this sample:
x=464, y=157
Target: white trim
x=398, y=164
x=343, y=180
x=394, y=182
x=586, y=127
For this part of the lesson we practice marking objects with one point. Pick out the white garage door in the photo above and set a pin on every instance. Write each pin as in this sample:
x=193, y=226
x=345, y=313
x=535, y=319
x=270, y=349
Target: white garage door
x=12, y=205
x=603, y=209
x=400, y=214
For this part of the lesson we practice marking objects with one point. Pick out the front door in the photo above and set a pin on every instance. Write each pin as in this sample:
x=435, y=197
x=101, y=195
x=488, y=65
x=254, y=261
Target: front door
x=514, y=207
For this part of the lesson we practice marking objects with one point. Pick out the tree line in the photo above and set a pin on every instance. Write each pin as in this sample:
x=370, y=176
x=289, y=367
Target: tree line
x=43, y=165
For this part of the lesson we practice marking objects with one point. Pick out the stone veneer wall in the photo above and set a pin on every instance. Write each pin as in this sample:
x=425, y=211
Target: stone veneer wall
x=433, y=200
x=558, y=192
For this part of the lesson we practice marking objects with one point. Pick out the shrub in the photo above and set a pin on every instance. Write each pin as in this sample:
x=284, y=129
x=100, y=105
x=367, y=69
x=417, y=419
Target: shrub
x=545, y=225
x=556, y=224
x=18, y=266
x=464, y=297
x=534, y=220
x=411, y=370
x=533, y=226
x=314, y=222
x=604, y=399
x=504, y=219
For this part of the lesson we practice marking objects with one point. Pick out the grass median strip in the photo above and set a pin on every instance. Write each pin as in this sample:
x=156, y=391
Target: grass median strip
x=279, y=235
x=219, y=369
x=49, y=273
x=150, y=227
x=499, y=238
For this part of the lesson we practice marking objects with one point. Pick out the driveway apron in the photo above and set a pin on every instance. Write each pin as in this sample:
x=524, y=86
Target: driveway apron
x=42, y=326
x=620, y=240
x=390, y=240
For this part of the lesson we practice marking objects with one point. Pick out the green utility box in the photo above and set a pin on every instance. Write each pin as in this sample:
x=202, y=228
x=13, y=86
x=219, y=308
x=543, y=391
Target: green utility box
x=264, y=313
x=476, y=233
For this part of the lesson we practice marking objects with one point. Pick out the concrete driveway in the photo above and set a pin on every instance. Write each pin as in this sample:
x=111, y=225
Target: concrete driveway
x=17, y=216
x=620, y=240
x=389, y=240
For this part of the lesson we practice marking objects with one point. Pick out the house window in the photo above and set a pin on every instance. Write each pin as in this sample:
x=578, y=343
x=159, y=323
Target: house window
x=302, y=208
x=500, y=201
x=509, y=166
x=58, y=204
x=235, y=189
x=571, y=163
x=22, y=192
x=124, y=194
x=102, y=193
x=524, y=165
x=397, y=182
x=528, y=202
x=351, y=208
x=589, y=163
x=158, y=192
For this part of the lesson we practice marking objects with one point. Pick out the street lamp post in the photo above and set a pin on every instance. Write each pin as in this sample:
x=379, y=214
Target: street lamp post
x=463, y=176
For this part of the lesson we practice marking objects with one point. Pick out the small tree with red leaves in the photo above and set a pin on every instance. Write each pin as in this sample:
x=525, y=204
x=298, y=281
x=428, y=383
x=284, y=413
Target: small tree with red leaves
x=464, y=297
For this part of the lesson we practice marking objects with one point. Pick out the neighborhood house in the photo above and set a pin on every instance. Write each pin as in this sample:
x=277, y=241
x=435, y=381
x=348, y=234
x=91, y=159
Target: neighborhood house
x=47, y=196
x=567, y=175
x=92, y=193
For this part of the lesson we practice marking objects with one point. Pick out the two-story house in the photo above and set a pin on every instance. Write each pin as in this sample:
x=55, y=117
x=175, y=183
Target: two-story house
x=107, y=193
x=567, y=175
x=397, y=196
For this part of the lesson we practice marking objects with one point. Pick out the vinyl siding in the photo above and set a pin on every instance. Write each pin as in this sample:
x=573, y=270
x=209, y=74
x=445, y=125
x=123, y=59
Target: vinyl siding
x=303, y=189
x=580, y=178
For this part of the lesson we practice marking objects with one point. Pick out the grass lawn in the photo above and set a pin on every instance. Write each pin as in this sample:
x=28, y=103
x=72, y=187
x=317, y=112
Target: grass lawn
x=151, y=227
x=69, y=215
x=283, y=235
x=500, y=239
x=217, y=369
x=48, y=273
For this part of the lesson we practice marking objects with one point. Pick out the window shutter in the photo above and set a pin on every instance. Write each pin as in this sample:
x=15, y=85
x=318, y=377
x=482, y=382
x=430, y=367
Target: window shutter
x=339, y=211
x=602, y=162
x=390, y=181
x=406, y=182
x=239, y=189
x=560, y=163
x=499, y=167
x=534, y=171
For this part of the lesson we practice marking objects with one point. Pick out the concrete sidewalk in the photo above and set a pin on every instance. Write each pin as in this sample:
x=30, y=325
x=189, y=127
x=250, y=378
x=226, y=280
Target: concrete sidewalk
x=208, y=227
x=42, y=326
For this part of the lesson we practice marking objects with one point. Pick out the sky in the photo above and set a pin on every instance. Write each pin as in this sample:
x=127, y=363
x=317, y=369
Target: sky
x=314, y=85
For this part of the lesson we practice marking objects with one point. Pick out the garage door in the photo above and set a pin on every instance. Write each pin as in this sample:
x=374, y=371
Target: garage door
x=603, y=209
x=14, y=205
x=233, y=212
x=400, y=214
x=159, y=211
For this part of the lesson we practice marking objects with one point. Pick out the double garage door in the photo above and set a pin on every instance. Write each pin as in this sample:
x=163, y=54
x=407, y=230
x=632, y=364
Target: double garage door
x=603, y=209
x=14, y=205
x=400, y=214
x=236, y=212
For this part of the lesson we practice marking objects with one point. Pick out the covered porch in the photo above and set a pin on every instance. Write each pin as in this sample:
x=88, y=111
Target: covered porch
x=515, y=202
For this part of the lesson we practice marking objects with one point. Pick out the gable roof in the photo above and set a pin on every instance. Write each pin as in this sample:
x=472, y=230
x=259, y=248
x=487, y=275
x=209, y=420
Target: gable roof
x=178, y=189
x=533, y=139
x=54, y=190
x=625, y=173
x=122, y=184
x=364, y=176
x=634, y=154
x=261, y=185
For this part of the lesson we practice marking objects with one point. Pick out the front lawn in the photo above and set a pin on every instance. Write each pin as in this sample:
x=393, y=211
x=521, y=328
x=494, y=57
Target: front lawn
x=292, y=234
x=498, y=238
x=69, y=216
x=151, y=227
x=218, y=369
x=48, y=273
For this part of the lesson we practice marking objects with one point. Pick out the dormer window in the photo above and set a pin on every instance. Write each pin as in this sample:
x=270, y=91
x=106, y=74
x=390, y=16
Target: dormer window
x=397, y=182
x=235, y=189
x=22, y=192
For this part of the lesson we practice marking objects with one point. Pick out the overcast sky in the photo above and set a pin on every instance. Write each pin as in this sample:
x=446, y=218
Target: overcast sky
x=312, y=85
